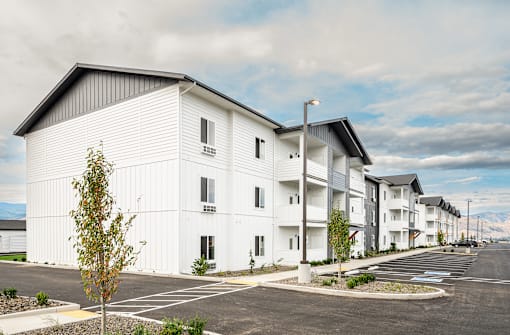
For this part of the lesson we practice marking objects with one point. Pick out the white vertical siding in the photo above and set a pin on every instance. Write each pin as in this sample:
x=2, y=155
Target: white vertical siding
x=141, y=137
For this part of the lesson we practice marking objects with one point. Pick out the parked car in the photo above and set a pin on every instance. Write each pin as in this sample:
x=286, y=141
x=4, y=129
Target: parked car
x=469, y=244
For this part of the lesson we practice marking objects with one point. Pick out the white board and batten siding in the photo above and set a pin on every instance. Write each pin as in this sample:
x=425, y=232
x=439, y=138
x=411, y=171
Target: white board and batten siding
x=13, y=241
x=236, y=172
x=140, y=136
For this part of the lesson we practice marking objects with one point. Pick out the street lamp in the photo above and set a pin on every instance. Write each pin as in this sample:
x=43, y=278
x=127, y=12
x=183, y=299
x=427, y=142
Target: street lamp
x=468, y=219
x=304, y=269
x=477, y=225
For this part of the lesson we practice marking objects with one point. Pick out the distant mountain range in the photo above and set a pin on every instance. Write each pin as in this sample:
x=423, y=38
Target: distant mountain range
x=496, y=225
x=10, y=211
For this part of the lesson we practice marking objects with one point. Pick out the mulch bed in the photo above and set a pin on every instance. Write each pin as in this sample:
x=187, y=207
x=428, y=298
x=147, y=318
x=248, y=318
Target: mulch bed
x=256, y=271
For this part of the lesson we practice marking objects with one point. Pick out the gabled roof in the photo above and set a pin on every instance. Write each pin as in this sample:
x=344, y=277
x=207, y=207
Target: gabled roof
x=373, y=178
x=432, y=201
x=79, y=69
x=344, y=129
x=13, y=225
x=457, y=213
x=405, y=179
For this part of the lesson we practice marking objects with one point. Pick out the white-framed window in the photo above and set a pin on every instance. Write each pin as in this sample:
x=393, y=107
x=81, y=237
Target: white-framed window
x=384, y=193
x=207, y=190
x=373, y=194
x=384, y=217
x=260, y=148
x=207, y=132
x=384, y=239
x=207, y=247
x=259, y=245
x=373, y=218
x=259, y=197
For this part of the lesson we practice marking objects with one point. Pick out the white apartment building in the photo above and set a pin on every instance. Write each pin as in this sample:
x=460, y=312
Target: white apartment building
x=205, y=174
x=398, y=213
x=440, y=216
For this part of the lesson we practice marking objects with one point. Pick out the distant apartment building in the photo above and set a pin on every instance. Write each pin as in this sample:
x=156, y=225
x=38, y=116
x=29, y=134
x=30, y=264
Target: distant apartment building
x=205, y=174
x=442, y=217
x=372, y=218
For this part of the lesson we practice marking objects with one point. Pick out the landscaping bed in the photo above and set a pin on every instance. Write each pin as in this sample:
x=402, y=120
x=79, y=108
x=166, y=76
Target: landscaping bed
x=22, y=304
x=115, y=325
x=371, y=287
x=256, y=271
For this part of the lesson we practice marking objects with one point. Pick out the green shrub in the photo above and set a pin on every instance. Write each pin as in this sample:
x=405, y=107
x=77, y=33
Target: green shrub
x=140, y=329
x=10, y=292
x=23, y=259
x=351, y=283
x=172, y=327
x=393, y=246
x=327, y=282
x=42, y=298
x=196, y=326
x=200, y=266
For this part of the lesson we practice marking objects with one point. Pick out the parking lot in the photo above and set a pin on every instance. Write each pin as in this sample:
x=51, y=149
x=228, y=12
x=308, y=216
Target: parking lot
x=474, y=306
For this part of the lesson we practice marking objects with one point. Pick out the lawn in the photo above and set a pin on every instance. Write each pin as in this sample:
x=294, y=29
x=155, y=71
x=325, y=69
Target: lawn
x=16, y=257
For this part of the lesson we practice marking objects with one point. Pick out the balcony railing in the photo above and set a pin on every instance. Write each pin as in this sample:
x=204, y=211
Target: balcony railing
x=357, y=185
x=397, y=225
x=293, y=214
x=338, y=181
x=291, y=169
x=357, y=219
x=398, y=203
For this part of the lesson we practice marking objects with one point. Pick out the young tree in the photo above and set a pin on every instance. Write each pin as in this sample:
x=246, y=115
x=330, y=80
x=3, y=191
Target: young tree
x=440, y=237
x=462, y=238
x=100, y=242
x=338, y=231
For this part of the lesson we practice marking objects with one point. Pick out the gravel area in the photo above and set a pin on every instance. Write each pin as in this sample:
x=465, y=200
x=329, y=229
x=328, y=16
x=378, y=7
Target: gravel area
x=21, y=304
x=256, y=271
x=372, y=287
x=115, y=325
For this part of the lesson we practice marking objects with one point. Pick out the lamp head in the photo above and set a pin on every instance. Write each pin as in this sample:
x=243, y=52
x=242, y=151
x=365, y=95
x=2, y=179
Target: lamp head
x=313, y=102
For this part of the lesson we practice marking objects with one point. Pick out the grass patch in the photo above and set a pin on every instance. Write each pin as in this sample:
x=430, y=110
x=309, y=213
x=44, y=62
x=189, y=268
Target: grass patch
x=16, y=257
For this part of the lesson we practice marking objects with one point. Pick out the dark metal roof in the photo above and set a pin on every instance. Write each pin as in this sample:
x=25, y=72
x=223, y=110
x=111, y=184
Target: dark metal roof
x=432, y=201
x=79, y=68
x=405, y=179
x=13, y=225
x=373, y=178
x=344, y=129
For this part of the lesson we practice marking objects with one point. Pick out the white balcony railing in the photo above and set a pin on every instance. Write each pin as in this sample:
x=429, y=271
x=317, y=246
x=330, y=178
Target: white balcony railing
x=397, y=225
x=357, y=219
x=357, y=185
x=291, y=169
x=398, y=203
x=293, y=214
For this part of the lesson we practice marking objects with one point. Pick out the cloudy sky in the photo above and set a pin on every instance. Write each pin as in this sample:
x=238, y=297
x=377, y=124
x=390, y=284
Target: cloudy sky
x=426, y=84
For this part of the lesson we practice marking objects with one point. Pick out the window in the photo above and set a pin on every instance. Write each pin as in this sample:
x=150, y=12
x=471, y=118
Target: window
x=259, y=245
x=373, y=218
x=207, y=132
x=384, y=193
x=385, y=217
x=259, y=197
x=207, y=247
x=290, y=243
x=373, y=194
x=352, y=209
x=384, y=239
x=207, y=190
x=260, y=148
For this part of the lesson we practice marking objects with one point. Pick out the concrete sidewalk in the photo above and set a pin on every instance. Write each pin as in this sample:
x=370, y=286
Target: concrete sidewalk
x=350, y=265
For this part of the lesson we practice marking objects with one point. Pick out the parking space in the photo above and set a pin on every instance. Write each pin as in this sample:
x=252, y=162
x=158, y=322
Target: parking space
x=166, y=300
x=431, y=267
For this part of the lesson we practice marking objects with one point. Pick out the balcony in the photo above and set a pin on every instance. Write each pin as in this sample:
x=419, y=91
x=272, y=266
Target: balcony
x=291, y=169
x=338, y=182
x=357, y=219
x=398, y=225
x=357, y=188
x=430, y=217
x=292, y=215
x=398, y=204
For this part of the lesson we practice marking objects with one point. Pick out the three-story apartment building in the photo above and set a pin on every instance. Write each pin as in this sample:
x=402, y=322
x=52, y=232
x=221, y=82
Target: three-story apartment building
x=205, y=174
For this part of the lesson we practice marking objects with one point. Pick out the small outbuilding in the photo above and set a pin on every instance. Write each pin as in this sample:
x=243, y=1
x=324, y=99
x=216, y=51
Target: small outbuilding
x=13, y=236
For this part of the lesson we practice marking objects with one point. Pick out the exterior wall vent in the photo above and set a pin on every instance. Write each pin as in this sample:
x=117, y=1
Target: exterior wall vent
x=208, y=150
x=209, y=209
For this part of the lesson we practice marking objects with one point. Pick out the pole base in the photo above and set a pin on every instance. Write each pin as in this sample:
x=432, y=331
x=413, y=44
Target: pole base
x=304, y=273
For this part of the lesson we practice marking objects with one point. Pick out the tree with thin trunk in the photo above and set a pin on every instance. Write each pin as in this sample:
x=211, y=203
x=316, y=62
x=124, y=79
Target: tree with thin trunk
x=338, y=231
x=100, y=241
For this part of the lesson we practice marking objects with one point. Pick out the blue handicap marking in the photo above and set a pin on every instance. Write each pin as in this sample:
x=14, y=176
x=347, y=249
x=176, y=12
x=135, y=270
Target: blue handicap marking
x=437, y=273
x=427, y=279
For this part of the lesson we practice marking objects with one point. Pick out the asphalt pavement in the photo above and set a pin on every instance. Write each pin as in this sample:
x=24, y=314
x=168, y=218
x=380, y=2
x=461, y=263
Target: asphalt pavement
x=472, y=307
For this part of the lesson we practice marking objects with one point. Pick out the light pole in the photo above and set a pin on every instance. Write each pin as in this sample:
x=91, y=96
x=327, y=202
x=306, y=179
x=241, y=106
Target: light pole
x=477, y=225
x=304, y=270
x=481, y=232
x=468, y=220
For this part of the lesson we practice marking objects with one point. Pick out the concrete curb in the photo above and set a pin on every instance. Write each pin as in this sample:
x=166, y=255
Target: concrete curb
x=356, y=294
x=66, y=307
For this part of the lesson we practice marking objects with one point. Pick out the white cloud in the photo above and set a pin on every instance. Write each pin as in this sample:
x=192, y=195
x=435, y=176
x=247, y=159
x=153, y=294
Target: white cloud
x=467, y=180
